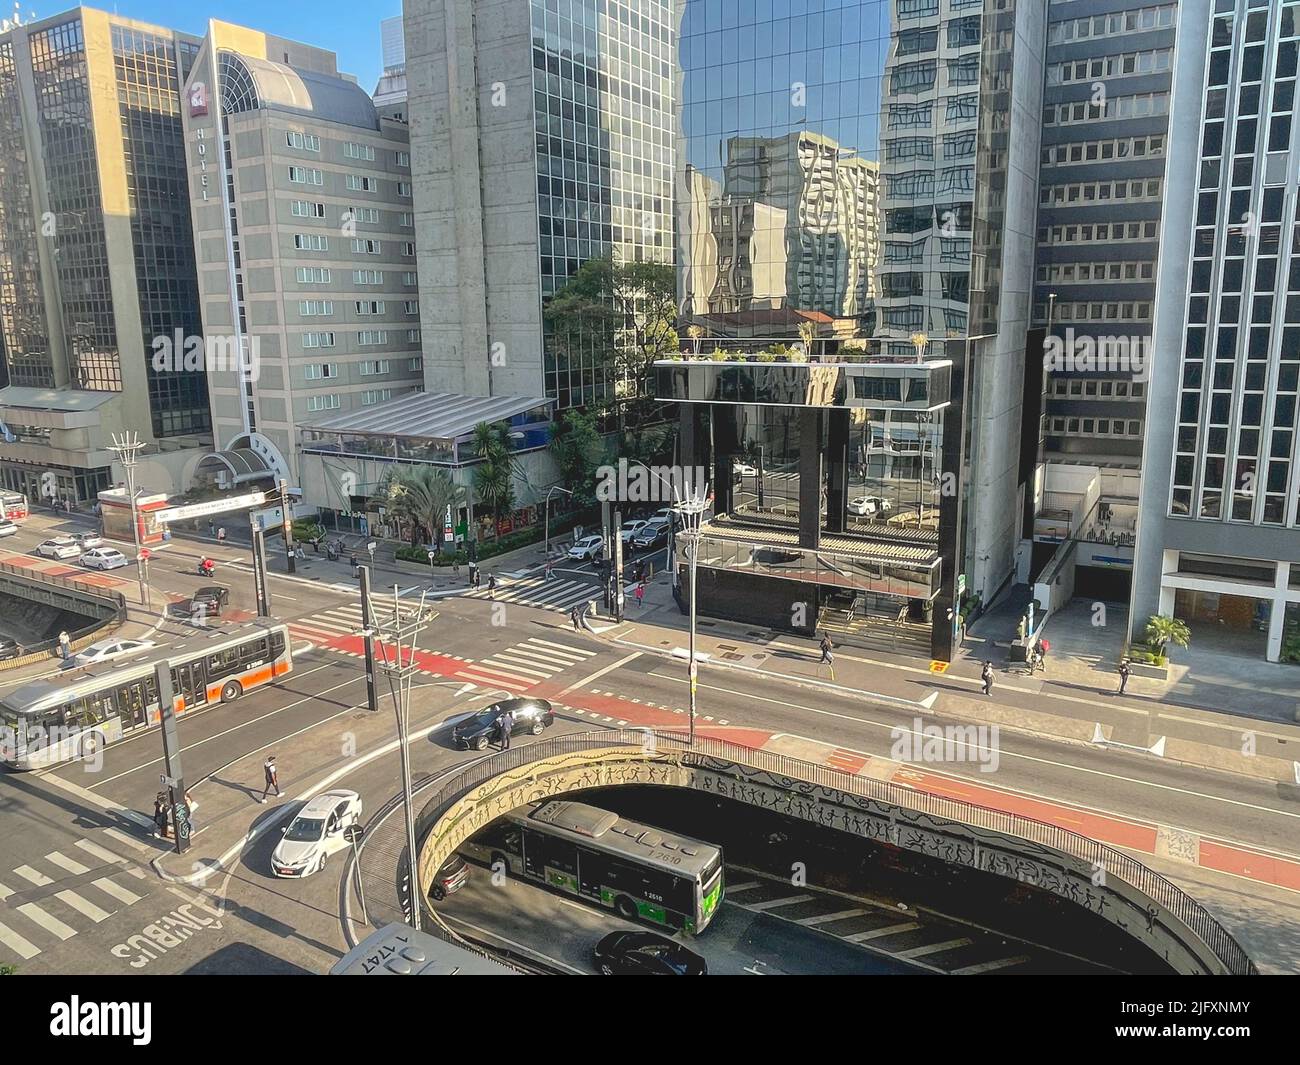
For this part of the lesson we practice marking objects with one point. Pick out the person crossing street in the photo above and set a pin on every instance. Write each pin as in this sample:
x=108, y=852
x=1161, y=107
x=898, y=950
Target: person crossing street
x=272, y=775
x=986, y=676
x=828, y=659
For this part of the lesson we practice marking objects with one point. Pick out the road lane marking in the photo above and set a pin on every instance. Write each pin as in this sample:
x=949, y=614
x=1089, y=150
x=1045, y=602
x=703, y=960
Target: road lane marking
x=601, y=672
x=880, y=933
x=826, y=918
x=64, y=862
x=20, y=946
x=990, y=966
x=771, y=904
x=121, y=837
x=50, y=923
x=932, y=948
x=82, y=906
x=119, y=893
x=30, y=874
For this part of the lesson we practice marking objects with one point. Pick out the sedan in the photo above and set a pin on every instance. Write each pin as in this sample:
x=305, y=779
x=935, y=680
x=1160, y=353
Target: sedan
x=652, y=534
x=87, y=540
x=478, y=730
x=104, y=558
x=106, y=650
x=628, y=533
x=59, y=547
x=7, y=527
x=588, y=549
x=319, y=830
x=211, y=599
x=453, y=876
x=646, y=954
x=869, y=506
x=743, y=469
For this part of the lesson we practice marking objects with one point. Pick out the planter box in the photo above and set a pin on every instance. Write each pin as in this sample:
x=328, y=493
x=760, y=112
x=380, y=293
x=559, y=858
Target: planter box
x=1150, y=672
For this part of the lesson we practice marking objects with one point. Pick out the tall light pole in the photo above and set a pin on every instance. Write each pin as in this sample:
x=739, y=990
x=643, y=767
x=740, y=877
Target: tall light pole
x=554, y=488
x=692, y=511
x=127, y=446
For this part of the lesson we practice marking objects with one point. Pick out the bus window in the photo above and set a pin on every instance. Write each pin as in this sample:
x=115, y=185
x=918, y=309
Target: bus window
x=277, y=643
x=102, y=704
x=223, y=663
x=563, y=855
x=254, y=651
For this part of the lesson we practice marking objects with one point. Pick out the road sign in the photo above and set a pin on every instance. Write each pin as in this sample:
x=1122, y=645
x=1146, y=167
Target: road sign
x=144, y=555
x=212, y=506
x=371, y=548
x=166, y=781
x=432, y=554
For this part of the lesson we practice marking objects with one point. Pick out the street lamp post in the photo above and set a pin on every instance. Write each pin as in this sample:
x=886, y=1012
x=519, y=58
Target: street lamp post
x=126, y=446
x=692, y=512
x=547, y=540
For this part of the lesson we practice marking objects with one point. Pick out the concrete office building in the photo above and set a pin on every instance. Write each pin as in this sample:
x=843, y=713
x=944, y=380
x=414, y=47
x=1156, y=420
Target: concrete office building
x=541, y=138
x=96, y=255
x=303, y=221
x=1218, y=542
x=865, y=493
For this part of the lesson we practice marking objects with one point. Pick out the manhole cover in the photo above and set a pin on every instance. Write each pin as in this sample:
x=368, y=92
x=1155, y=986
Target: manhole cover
x=731, y=656
x=728, y=646
x=760, y=654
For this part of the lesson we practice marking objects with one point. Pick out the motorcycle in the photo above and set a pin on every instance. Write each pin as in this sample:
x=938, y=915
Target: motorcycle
x=206, y=568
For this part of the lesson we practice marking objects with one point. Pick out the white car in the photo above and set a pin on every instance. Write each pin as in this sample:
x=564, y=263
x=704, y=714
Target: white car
x=588, y=549
x=628, y=533
x=870, y=506
x=743, y=469
x=7, y=527
x=87, y=540
x=113, y=647
x=59, y=547
x=104, y=558
x=318, y=831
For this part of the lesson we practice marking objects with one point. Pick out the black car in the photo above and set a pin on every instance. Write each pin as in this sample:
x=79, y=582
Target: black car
x=477, y=731
x=9, y=649
x=212, y=599
x=646, y=954
x=453, y=876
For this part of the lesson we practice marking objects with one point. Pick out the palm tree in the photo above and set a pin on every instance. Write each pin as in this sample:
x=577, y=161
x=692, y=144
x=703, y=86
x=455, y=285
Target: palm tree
x=422, y=494
x=1163, y=630
x=494, y=476
x=808, y=334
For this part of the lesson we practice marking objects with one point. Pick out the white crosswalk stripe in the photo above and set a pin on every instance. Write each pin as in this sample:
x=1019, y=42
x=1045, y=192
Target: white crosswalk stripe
x=32, y=920
x=344, y=620
x=527, y=663
x=539, y=592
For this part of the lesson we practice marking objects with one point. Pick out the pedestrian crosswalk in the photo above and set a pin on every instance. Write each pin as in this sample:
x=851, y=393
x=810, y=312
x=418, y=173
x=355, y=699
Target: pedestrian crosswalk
x=524, y=665
x=36, y=913
x=555, y=594
x=343, y=620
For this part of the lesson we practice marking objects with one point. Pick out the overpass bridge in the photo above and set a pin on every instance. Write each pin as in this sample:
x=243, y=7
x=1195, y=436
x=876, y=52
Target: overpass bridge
x=1093, y=876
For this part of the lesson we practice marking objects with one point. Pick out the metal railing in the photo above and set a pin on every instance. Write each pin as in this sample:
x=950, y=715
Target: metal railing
x=1151, y=884
x=114, y=602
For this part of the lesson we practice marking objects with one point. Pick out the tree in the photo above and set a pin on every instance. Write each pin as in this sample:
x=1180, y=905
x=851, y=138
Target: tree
x=421, y=495
x=1163, y=630
x=578, y=449
x=494, y=476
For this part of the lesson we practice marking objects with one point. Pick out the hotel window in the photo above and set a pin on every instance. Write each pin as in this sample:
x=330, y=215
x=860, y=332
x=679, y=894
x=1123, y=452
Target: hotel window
x=410, y=278
x=404, y=160
x=329, y=401
x=367, y=247
x=361, y=183
x=307, y=209
x=311, y=242
x=371, y=367
x=306, y=175
x=413, y=336
x=415, y=364
x=370, y=306
x=411, y=306
x=318, y=340
x=306, y=141
x=369, y=215
x=359, y=151
x=404, y=188
x=368, y=277
x=309, y=308
x=375, y=395
x=370, y=338
x=408, y=247
x=312, y=275
x=406, y=220
x=318, y=371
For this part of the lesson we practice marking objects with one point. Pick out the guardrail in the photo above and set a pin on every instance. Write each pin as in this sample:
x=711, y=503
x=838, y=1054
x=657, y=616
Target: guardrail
x=113, y=602
x=1150, y=883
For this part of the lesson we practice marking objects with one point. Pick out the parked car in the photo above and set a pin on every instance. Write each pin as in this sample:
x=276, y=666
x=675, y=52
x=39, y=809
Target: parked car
x=646, y=954
x=87, y=540
x=453, y=876
x=588, y=549
x=629, y=530
x=653, y=533
x=212, y=599
x=104, y=558
x=743, y=469
x=318, y=831
x=870, y=506
x=478, y=730
x=59, y=547
x=106, y=650
x=7, y=527
x=9, y=648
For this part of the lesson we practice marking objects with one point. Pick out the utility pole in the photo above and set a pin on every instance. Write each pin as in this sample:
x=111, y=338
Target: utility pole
x=368, y=631
x=126, y=447
x=398, y=633
x=286, y=524
x=261, y=585
x=692, y=511
x=173, y=777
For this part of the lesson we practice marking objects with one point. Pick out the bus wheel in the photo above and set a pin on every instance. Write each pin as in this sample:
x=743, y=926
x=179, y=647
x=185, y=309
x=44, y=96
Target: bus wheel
x=625, y=908
x=231, y=691
x=89, y=746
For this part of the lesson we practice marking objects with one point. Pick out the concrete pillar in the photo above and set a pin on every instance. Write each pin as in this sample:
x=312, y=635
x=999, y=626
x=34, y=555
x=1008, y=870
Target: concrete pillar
x=810, y=477
x=837, y=469
x=1277, y=612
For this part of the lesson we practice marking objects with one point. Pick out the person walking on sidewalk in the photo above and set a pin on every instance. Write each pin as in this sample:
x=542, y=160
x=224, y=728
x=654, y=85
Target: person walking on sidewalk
x=1123, y=675
x=160, y=815
x=65, y=645
x=492, y=585
x=828, y=659
x=639, y=594
x=221, y=535
x=212, y=527
x=272, y=775
x=986, y=675
x=573, y=617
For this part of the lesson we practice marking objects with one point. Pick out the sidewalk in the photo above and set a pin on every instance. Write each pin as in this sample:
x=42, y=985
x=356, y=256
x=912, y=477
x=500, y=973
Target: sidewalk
x=1064, y=705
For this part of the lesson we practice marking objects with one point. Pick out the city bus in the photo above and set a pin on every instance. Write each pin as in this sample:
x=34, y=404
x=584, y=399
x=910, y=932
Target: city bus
x=72, y=716
x=398, y=950
x=14, y=505
x=606, y=860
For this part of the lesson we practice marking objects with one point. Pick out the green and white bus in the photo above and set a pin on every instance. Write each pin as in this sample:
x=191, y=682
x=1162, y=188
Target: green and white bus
x=601, y=858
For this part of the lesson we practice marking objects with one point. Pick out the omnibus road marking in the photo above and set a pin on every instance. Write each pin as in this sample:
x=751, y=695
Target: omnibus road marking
x=880, y=933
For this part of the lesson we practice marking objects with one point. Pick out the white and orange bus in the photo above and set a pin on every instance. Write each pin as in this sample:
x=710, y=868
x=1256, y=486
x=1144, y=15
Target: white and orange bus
x=13, y=505
x=75, y=715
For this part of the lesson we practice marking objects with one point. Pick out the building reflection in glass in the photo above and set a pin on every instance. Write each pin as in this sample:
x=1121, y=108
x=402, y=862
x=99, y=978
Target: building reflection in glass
x=827, y=170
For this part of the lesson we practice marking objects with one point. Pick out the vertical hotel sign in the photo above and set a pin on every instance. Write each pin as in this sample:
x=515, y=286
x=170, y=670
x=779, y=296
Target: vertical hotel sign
x=198, y=104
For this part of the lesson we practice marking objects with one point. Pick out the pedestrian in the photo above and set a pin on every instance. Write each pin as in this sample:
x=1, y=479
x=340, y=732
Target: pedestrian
x=271, y=773
x=65, y=645
x=160, y=815
x=986, y=675
x=212, y=527
x=828, y=659
x=506, y=723
x=640, y=594
x=299, y=553
x=573, y=617
x=221, y=535
x=550, y=564
x=190, y=805
x=492, y=585
x=1123, y=675
x=356, y=566
x=455, y=567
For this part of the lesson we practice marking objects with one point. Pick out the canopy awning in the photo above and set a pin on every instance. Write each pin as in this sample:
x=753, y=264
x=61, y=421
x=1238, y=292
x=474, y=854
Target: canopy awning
x=428, y=415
